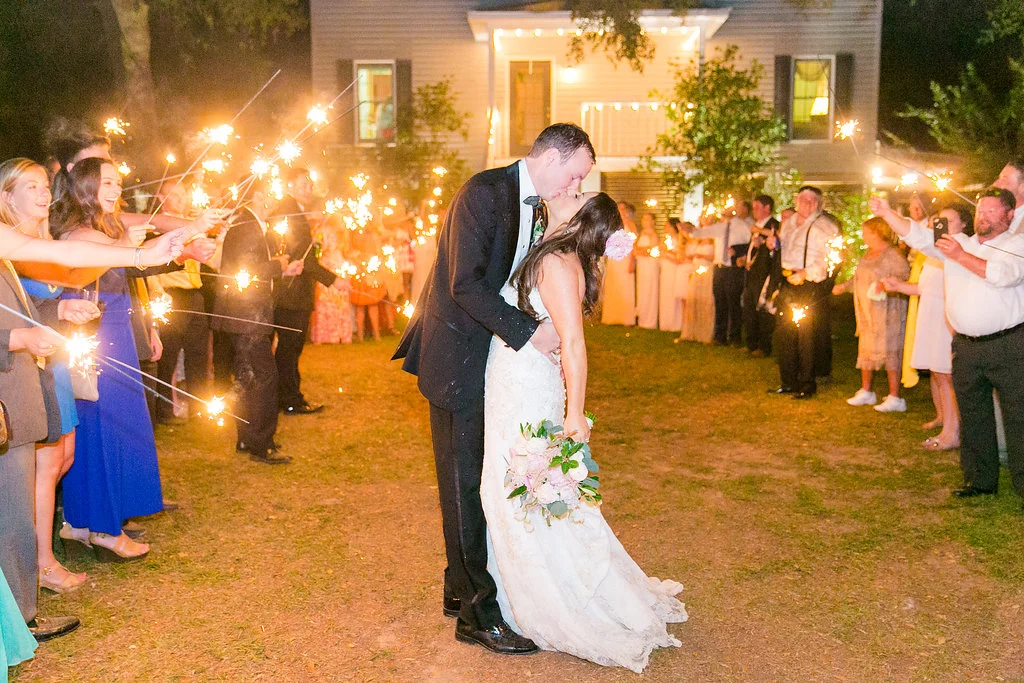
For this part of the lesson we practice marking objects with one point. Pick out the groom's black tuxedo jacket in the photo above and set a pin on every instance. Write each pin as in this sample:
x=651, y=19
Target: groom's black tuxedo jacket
x=460, y=308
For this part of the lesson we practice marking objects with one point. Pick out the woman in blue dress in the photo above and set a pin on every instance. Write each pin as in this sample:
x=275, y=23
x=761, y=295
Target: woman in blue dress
x=115, y=474
x=24, y=202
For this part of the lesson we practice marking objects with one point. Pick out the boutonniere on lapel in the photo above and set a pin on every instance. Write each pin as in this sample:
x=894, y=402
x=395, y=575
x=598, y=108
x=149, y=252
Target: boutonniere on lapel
x=540, y=215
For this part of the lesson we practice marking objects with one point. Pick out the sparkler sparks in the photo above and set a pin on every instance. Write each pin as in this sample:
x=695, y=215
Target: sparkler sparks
x=281, y=227
x=317, y=116
x=214, y=165
x=655, y=252
x=115, y=126
x=170, y=158
x=651, y=203
x=359, y=180
x=243, y=279
x=834, y=255
x=219, y=134
x=408, y=309
x=80, y=350
x=260, y=167
x=124, y=169
x=799, y=313
x=440, y=171
x=331, y=206
x=909, y=179
x=701, y=270
x=289, y=151
x=847, y=129
x=277, y=189
x=200, y=199
x=215, y=408
x=160, y=307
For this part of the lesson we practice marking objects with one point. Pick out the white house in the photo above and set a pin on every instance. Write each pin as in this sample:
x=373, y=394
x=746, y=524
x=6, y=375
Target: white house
x=509, y=65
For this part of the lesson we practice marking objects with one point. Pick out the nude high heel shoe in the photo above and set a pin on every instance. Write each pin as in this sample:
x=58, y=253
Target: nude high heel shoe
x=117, y=548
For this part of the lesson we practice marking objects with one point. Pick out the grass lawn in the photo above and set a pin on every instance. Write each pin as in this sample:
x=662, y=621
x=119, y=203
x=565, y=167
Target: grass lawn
x=816, y=541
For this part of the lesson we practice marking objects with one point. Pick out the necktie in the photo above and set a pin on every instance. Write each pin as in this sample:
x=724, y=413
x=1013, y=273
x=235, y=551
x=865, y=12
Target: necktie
x=539, y=222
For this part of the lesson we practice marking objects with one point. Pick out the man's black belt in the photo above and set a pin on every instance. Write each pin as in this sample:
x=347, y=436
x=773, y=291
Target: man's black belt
x=994, y=335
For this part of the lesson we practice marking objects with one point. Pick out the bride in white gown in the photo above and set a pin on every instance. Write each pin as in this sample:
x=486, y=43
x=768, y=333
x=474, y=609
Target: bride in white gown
x=568, y=586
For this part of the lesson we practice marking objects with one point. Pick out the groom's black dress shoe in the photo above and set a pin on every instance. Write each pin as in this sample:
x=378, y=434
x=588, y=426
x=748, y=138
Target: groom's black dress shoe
x=970, y=492
x=499, y=638
x=452, y=606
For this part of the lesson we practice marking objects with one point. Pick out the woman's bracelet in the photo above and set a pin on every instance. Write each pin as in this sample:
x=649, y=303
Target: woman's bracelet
x=138, y=258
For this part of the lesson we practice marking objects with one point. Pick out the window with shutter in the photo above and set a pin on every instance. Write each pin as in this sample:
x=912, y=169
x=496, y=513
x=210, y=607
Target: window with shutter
x=812, y=103
x=376, y=118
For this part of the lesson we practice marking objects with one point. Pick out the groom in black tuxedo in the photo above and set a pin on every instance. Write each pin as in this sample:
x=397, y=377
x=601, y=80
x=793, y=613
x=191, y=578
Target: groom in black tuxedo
x=491, y=224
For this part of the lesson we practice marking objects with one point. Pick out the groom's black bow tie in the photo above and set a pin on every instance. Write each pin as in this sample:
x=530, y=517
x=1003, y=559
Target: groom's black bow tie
x=539, y=222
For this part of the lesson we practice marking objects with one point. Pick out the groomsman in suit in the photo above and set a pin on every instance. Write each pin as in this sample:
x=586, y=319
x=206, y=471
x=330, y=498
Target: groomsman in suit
x=491, y=223
x=295, y=297
x=761, y=256
x=246, y=248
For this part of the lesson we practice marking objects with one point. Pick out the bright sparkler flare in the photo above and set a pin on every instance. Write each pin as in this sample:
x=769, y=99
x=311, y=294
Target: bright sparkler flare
x=115, y=126
x=799, y=313
x=213, y=165
x=408, y=309
x=373, y=265
x=80, y=350
x=670, y=244
x=942, y=181
x=289, y=151
x=909, y=179
x=219, y=134
x=170, y=158
x=277, y=189
x=159, y=308
x=701, y=270
x=834, y=255
x=440, y=171
x=437, y=191
x=200, y=199
x=243, y=279
x=651, y=203
x=124, y=169
x=234, y=192
x=260, y=167
x=317, y=116
x=655, y=253
x=281, y=227
x=331, y=206
x=847, y=129
x=359, y=180
x=215, y=408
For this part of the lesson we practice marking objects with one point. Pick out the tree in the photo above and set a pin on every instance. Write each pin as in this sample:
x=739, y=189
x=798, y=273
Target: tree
x=613, y=27
x=423, y=145
x=722, y=130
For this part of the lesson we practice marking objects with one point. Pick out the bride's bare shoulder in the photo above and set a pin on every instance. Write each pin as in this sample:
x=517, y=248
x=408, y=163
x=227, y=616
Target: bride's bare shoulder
x=560, y=273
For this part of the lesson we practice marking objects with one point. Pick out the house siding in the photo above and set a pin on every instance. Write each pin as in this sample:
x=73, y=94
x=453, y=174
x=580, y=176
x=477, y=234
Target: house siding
x=436, y=37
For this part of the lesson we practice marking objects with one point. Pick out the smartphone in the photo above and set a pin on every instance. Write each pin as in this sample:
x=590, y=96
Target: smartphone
x=940, y=227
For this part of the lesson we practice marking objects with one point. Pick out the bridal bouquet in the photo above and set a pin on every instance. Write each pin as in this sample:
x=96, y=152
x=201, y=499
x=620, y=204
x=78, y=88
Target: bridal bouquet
x=550, y=473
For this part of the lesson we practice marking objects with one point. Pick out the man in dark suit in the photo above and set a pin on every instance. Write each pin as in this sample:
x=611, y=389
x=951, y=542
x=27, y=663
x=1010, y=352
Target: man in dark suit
x=245, y=248
x=488, y=230
x=758, y=323
x=295, y=297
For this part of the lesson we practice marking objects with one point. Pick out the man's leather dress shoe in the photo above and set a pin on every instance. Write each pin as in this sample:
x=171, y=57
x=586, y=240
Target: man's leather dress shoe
x=499, y=638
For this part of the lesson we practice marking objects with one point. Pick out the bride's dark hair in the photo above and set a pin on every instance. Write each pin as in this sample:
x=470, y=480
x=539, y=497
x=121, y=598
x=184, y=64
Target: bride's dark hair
x=584, y=235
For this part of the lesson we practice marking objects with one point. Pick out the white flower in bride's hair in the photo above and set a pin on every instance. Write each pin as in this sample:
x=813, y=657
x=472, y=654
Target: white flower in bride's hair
x=619, y=245
x=547, y=494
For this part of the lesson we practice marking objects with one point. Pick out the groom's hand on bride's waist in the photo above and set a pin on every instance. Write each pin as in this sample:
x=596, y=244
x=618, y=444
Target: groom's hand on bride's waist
x=545, y=339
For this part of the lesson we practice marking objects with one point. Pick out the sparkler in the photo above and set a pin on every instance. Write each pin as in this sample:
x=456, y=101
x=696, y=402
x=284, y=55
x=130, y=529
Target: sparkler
x=200, y=199
x=260, y=167
x=655, y=252
x=80, y=350
x=281, y=227
x=317, y=116
x=845, y=130
x=243, y=279
x=440, y=171
x=115, y=126
x=651, y=203
x=799, y=313
x=288, y=151
x=408, y=309
x=170, y=158
x=124, y=169
x=219, y=134
x=834, y=255
x=214, y=166
x=359, y=180
x=159, y=308
x=701, y=270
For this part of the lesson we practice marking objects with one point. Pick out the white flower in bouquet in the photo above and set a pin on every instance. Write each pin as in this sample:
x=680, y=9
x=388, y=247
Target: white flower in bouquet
x=579, y=473
x=546, y=494
x=537, y=445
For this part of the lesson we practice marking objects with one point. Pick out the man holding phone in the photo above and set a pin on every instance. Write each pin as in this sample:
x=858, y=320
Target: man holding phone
x=984, y=282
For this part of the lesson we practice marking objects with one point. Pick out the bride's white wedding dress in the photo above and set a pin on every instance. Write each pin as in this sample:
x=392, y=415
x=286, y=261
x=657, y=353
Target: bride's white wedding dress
x=570, y=586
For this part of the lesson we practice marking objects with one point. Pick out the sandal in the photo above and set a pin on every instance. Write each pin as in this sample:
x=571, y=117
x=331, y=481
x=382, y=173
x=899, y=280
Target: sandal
x=59, y=580
x=117, y=548
x=933, y=444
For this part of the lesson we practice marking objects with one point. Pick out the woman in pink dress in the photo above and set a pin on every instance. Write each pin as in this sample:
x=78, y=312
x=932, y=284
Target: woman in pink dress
x=332, y=314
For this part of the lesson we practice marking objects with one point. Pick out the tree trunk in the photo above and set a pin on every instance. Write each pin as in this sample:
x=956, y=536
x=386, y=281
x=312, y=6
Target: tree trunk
x=140, y=110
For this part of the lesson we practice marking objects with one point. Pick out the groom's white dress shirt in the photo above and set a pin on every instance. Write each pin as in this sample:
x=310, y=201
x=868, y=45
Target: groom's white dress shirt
x=526, y=189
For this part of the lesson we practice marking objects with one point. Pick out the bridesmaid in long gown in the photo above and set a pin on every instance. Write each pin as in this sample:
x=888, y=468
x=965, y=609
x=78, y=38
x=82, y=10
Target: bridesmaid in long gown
x=619, y=291
x=670, y=312
x=115, y=474
x=648, y=253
